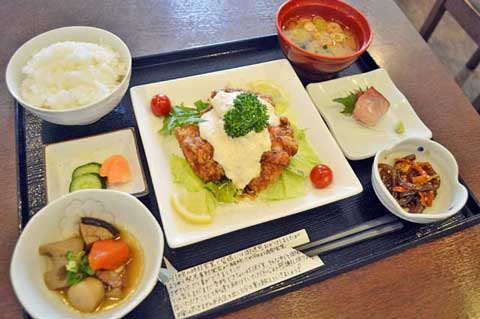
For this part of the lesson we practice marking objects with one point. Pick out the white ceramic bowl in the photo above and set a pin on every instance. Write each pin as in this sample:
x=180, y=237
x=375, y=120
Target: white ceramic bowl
x=59, y=220
x=86, y=114
x=451, y=196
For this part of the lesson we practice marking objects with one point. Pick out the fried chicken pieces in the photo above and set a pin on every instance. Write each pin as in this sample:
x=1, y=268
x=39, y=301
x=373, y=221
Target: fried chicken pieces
x=199, y=154
x=274, y=161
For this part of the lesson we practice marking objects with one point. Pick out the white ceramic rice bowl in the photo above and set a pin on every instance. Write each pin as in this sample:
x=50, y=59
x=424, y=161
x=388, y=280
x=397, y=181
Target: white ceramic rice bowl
x=83, y=115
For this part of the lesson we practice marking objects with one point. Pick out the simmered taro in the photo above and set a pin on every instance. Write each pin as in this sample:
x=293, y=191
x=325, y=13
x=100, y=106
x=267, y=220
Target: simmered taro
x=413, y=184
x=95, y=270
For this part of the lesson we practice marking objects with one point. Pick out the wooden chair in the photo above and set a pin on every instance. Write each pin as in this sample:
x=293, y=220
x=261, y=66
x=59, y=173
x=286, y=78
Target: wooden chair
x=467, y=14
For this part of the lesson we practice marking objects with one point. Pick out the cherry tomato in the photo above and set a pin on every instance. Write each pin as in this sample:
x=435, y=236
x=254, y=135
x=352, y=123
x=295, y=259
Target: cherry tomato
x=160, y=105
x=321, y=176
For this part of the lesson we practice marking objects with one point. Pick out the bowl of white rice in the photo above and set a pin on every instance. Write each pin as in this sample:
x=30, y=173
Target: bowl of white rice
x=70, y=76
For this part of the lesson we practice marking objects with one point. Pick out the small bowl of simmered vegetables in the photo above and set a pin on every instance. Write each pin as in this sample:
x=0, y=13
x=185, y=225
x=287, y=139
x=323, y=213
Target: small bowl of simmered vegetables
x=417, y=180
x=85, y=255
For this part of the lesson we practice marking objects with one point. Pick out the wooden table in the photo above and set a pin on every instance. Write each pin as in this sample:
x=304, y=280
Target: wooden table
x=436, y=280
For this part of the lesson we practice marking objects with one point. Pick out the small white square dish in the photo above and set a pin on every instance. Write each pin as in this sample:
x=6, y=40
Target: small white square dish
x=245, y=213
x=357, y=141
x=63, y=157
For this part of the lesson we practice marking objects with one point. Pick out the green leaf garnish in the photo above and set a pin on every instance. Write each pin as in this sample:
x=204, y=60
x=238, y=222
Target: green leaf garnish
x=349, y=101
x=201, y=106
x=248, y=114
x=77, y=267
x=180, y=115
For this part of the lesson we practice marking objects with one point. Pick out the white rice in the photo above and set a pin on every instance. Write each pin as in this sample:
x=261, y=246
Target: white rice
x=71, y=74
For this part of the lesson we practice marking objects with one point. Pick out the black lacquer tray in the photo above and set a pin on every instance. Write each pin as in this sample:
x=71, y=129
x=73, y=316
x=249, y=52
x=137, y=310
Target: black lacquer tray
x=32, y=134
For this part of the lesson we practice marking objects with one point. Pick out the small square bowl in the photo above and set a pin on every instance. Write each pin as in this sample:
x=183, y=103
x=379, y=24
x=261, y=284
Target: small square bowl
x=63, y=157
x=451, y=196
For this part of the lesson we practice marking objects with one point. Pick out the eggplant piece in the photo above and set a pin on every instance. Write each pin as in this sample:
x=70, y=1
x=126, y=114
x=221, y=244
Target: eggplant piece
x=412, y=187
x=406, y=194
x=404, y=201
x=93, y=229
x=387, y=175
x=411, y=174
x=56, y=278
x=435, y=183
x=415, y=206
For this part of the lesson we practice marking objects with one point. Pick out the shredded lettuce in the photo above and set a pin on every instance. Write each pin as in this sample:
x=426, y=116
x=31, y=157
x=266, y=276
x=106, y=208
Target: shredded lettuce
x=288, y=185
x=225, y=192
x=291, y=183
x=303, y=162
x=183, y=174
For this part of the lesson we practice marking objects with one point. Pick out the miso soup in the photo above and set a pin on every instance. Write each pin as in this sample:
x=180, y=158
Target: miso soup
x=321, y=36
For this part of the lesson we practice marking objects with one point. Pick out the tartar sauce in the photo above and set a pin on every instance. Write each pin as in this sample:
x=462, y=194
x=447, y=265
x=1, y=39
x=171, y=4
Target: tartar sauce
x=240, y=157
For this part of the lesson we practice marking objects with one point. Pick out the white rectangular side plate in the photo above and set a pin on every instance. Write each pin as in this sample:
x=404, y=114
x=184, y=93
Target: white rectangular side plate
x=63, y=157
x=231, y=217
x=357, y=141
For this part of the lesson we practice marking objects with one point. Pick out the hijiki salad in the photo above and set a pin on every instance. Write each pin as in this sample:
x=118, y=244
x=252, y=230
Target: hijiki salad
x=237, y=145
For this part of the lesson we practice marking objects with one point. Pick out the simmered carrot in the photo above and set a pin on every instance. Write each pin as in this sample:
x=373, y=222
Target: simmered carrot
x=426, y=198
x=422, y=179
x=399, y=189
x=116, y=170
x=108, y=254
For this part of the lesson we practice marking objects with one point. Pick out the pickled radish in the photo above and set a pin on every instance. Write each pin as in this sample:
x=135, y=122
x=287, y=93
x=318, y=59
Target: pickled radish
x=116, y=169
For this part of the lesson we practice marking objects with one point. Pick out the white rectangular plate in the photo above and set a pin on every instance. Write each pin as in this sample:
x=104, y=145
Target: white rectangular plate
x=231, y=217
x=357, y=141
x=63, y=157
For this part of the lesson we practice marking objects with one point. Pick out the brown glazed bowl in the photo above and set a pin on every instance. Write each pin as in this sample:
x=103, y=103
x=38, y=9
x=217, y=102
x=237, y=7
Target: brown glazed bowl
x=308, y=63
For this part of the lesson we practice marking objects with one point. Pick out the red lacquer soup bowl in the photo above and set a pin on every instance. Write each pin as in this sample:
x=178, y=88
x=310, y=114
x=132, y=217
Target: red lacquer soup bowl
x=309, y=63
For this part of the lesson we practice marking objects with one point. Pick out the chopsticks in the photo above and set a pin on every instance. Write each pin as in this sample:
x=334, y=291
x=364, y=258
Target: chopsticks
x=368, y=230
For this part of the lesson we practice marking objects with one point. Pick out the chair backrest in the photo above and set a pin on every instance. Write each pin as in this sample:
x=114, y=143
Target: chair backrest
x=467, y=14
x=474, y=5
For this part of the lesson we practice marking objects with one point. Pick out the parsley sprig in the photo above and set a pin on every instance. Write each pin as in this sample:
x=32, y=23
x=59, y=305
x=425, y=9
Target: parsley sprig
x=181, y=115
x=77, y=267
x=248, y=114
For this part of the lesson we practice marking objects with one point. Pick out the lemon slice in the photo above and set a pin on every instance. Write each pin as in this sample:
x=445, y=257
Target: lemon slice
x=185, y=206
x=271, y=89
